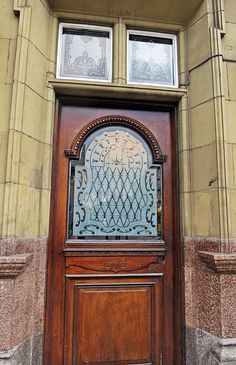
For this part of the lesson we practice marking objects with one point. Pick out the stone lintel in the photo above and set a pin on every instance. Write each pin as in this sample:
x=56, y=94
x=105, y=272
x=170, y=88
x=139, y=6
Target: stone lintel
x=114, y=91
x=220, y=262
x=12, y=266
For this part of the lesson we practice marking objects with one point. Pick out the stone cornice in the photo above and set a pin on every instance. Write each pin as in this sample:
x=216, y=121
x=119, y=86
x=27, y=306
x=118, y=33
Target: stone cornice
x=220, y=262
x=12, y=266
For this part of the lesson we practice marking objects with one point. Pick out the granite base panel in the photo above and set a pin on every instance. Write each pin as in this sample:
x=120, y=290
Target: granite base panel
x=30, y=352
x=203, y=348
x=210, y=293
x=22, y=304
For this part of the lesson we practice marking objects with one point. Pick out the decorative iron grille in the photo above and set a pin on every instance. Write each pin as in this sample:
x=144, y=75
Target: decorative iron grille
x=116, y=190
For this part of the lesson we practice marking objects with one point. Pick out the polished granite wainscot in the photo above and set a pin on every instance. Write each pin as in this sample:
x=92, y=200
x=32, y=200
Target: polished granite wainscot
x=22, y=291
x=210, y=301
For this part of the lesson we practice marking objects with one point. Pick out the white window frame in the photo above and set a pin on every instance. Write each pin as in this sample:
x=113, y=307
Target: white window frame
x=60, y=51
x=173, y=37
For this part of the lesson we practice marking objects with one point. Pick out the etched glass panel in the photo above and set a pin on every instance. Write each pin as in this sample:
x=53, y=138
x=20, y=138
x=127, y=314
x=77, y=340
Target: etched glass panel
x=151, y=59
x=115, y=190
x=84, y=52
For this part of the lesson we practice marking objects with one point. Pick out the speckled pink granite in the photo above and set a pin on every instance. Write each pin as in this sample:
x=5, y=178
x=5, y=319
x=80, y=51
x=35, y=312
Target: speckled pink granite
x=210, y=296
x=22, y=302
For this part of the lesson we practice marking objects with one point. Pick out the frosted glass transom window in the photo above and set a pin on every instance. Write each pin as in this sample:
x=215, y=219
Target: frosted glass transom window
x=84, y=52
x=152, y=59
x=115, y=190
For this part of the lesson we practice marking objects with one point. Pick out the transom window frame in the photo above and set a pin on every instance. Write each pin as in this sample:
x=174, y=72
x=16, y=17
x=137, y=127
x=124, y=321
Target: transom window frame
x=157, y=35
x=114, y=40
x=157, y=159
x=60, y=49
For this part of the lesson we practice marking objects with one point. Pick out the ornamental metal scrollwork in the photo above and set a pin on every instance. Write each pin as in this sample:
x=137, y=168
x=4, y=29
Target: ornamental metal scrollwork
x=116, y=188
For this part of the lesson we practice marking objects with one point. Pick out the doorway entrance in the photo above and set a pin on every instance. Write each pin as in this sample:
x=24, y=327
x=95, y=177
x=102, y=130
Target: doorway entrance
x=112, y=295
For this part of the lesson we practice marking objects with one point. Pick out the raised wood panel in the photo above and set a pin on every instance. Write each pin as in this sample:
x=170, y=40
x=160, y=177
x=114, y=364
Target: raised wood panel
x=114, y=322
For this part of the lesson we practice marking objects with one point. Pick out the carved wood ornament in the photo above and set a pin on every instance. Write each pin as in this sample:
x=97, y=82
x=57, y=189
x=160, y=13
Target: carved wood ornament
x=113, y=120
x=116, y=267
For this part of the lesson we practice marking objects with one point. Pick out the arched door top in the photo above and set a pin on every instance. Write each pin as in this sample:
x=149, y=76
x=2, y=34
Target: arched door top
x=113, y=120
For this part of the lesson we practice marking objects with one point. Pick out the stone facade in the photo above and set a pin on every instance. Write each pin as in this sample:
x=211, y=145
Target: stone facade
x=206, y=154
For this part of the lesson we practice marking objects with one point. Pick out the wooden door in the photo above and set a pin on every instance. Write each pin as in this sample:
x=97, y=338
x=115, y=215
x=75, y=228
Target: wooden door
x=110, y=295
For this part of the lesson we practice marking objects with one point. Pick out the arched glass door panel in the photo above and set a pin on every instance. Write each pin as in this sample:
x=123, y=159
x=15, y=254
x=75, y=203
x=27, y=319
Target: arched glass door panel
x=115, y=189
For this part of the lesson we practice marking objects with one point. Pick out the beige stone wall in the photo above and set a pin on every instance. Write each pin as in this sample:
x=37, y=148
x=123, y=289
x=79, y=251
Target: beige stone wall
x=198, y=139
x=207, y=178
x=28, y=116
x=27, y=127
x=8, y=35
x=208, y=133
x=229, y=54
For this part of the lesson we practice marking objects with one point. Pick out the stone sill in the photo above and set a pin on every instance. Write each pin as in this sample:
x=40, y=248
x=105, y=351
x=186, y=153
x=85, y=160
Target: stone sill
x=220, y=262
x=12, y=266
x=116, y=91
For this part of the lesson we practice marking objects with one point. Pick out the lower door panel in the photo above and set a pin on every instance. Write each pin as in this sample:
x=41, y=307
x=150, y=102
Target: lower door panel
x=114, y=320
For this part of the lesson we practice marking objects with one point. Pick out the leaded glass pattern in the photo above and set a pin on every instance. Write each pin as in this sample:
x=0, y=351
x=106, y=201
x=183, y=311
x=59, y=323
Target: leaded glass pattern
x=84, y=52
x=115, y=190
x=152, y=59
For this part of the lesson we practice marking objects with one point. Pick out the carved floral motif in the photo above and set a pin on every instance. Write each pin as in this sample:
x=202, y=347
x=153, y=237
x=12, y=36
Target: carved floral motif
x=116, y=267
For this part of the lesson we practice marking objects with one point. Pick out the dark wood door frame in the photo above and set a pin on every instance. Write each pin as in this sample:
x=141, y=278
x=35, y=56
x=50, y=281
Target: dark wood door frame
x=55, y=289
